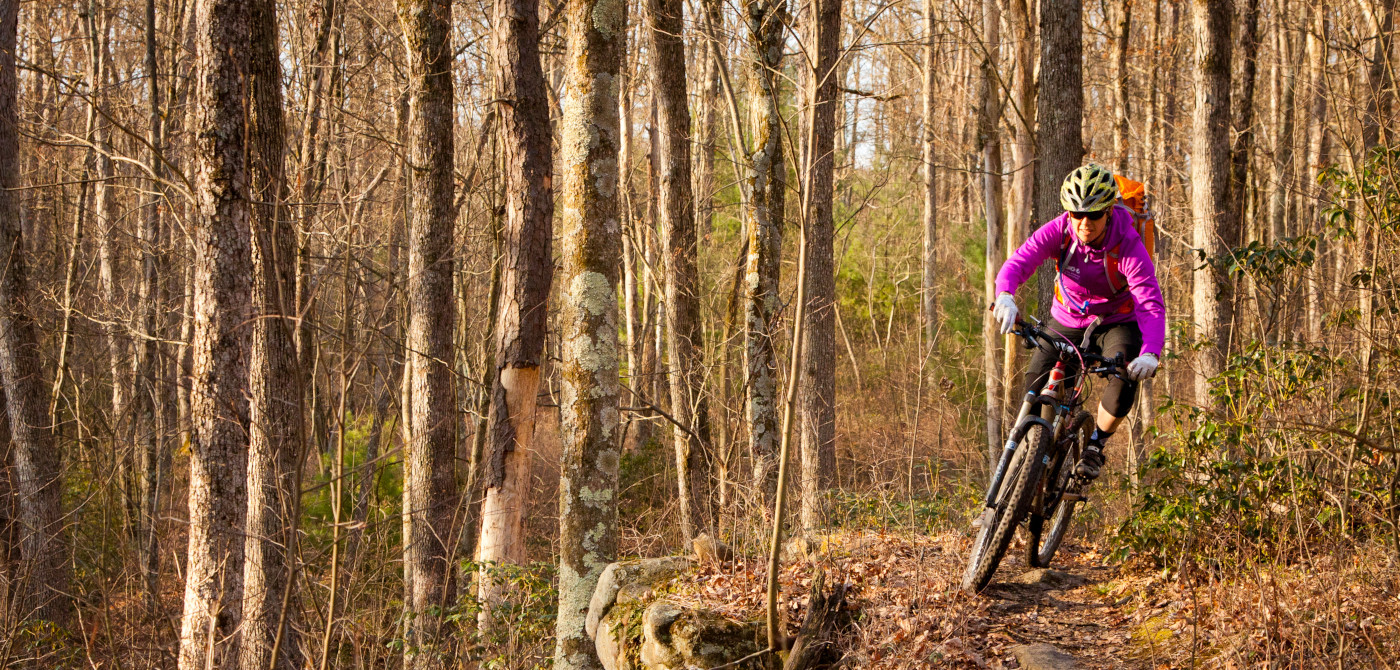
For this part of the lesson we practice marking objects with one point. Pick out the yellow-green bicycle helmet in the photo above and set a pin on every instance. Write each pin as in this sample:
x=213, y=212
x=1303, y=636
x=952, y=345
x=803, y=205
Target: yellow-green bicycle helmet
x=1090, y=188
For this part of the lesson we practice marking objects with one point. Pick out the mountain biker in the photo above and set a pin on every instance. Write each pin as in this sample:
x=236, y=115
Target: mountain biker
x=1088, y=241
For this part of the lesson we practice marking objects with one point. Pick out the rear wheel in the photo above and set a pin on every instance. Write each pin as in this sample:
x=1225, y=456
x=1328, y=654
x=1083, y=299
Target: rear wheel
x=999, y=522
x=1060, y=496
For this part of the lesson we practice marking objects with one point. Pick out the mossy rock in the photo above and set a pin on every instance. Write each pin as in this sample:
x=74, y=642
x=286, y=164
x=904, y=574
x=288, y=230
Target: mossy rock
x=678, y=638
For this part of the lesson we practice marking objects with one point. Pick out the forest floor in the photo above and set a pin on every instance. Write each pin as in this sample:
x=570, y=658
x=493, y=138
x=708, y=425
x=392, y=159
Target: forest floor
x=908, y=612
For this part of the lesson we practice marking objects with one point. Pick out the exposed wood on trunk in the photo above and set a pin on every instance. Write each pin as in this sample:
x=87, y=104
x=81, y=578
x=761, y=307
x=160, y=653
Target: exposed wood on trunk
x=526, y=268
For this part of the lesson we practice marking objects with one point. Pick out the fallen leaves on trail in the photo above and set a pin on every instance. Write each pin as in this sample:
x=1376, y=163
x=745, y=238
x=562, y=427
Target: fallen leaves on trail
x=908, y=612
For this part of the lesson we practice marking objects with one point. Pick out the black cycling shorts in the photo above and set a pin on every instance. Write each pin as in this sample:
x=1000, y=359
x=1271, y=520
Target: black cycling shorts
x=1117, y=338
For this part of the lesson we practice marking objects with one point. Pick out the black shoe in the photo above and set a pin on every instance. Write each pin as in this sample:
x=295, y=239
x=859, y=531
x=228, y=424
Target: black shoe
x=1090, y=462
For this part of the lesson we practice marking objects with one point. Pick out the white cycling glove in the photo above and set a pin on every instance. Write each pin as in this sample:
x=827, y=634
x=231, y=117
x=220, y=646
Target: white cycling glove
x=1004, y=311
x=1142, y=367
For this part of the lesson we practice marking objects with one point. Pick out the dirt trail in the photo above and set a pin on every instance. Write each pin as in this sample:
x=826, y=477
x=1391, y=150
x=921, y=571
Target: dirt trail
x=911, y=614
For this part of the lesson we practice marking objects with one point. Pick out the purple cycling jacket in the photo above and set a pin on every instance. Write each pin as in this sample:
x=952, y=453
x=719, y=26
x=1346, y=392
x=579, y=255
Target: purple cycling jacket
x=1084, y=290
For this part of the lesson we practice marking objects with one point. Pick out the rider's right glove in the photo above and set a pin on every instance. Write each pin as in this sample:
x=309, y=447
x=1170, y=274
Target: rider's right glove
x=1004, y=311
x=1142, y=367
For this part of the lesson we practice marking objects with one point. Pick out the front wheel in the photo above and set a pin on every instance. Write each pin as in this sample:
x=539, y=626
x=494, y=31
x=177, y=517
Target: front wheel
x=1061, y=494
x=999, y=522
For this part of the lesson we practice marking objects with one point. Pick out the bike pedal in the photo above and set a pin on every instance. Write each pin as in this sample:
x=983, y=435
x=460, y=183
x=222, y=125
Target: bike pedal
x=1075, y=497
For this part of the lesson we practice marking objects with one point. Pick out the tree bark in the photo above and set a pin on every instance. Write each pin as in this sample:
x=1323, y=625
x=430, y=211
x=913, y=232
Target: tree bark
x=988, y=122
x=1122, y=78
x=1380, y=80
x=222, y=312
x=1284, y=124
x=1313, y=163
x=1214, y=230
x=930, y=214
x=430, y=496
x=707, y=111
x=684, y=330
x=1243, y=105
x=817, y=402
x=1060, y=113
x=1023, y=178
x=38, y=482
x=588, y=406
x=522, y=307
x=763, y=226
x=275, y=413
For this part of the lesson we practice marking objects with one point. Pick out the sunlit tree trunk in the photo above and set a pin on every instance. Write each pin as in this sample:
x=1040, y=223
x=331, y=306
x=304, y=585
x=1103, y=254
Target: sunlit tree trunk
x=763, y=177
x=684, y=330
x=1060, y=113
x=930, y=190
x=590, y=255
x=989, y=139
x=707, y=118
x=1213, y=229
x=430, y=495
x=1281, y=173
x=270, y=622
x=1023, y=178
x=36, y=475
x=526, y=271
x=1244, y=118
x=1122, y=80
x=1380, y=79
x=222, y=315
x=818, y=382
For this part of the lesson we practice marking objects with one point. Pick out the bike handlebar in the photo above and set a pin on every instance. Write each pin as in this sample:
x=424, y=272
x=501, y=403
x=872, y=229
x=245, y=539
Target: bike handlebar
x=1106, y=367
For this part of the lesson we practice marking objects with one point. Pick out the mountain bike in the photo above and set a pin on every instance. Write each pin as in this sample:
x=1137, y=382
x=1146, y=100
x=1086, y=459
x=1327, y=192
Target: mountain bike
x=1034, y=479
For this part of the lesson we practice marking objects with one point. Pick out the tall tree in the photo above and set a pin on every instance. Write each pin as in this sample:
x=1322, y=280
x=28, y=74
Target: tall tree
x=429, y=476
x=818, y=382
x=1380, y=76
x=1313, y=157
x=989, y=139
x=37, y=476
x=526, y=271
x=1022, y=178
x=1243, y=108
x=269, y=635
x=684, y=330
x=1060, y=114
x=588, y=370
x=1213, y=230
x=763, y=226
x=223, y=270
x=707, y=112
x=1284, y=96
x=1122, y=78
x=930, y=214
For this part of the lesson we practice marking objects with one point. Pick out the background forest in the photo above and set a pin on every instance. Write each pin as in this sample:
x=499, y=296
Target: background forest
x=347, y=334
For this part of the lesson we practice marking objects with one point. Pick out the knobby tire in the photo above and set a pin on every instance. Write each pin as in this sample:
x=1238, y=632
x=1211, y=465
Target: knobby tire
x=1013, y=501
x=1039, y=553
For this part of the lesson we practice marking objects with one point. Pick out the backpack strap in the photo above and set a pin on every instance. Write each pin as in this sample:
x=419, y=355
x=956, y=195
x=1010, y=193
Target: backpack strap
x=1116, y=280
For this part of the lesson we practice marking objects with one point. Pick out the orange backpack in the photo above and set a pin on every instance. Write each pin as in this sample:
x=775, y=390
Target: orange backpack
x=1133, y=195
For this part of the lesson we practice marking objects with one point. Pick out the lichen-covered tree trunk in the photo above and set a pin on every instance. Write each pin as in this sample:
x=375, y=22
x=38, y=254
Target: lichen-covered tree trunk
x=430, y=491
x=684, y=331
x=222, y=317
x=587, y=320
x=988, y=120
x=526, y=271
x=275, y=414
x=817, y=392
x=1213, y=230
x=36, y=474
x=763, y=226
x=1060, y=118
x=930, y=214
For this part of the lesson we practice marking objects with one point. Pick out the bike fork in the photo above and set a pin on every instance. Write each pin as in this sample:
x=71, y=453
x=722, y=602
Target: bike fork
x=1005, y=460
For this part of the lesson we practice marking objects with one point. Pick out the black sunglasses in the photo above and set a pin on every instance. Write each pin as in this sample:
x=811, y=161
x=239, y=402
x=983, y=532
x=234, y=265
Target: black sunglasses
x=1092, y=216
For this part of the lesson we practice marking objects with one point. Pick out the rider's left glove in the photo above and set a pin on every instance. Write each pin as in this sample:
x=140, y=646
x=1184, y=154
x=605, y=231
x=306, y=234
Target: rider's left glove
x=1142, y=367
x=1004, y=311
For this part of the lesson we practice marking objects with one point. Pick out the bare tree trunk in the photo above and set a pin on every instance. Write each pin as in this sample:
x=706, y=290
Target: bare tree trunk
x=763, y=225
x=988, y=120
x=1380, y=80
x=526, y=271
x=269, y=635
x=817, y=402
x=1243, y=104
x=1214, y=230
x=37, y=476
x=1312, y=164
x=1284, y=140
x=1060, y=113
x=684, y=330
x=222, y=312
x=1122, y=105
x=707, y=111
x=1023, y=179
x=588, y=535
x=930, y=215
x=430, y=497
